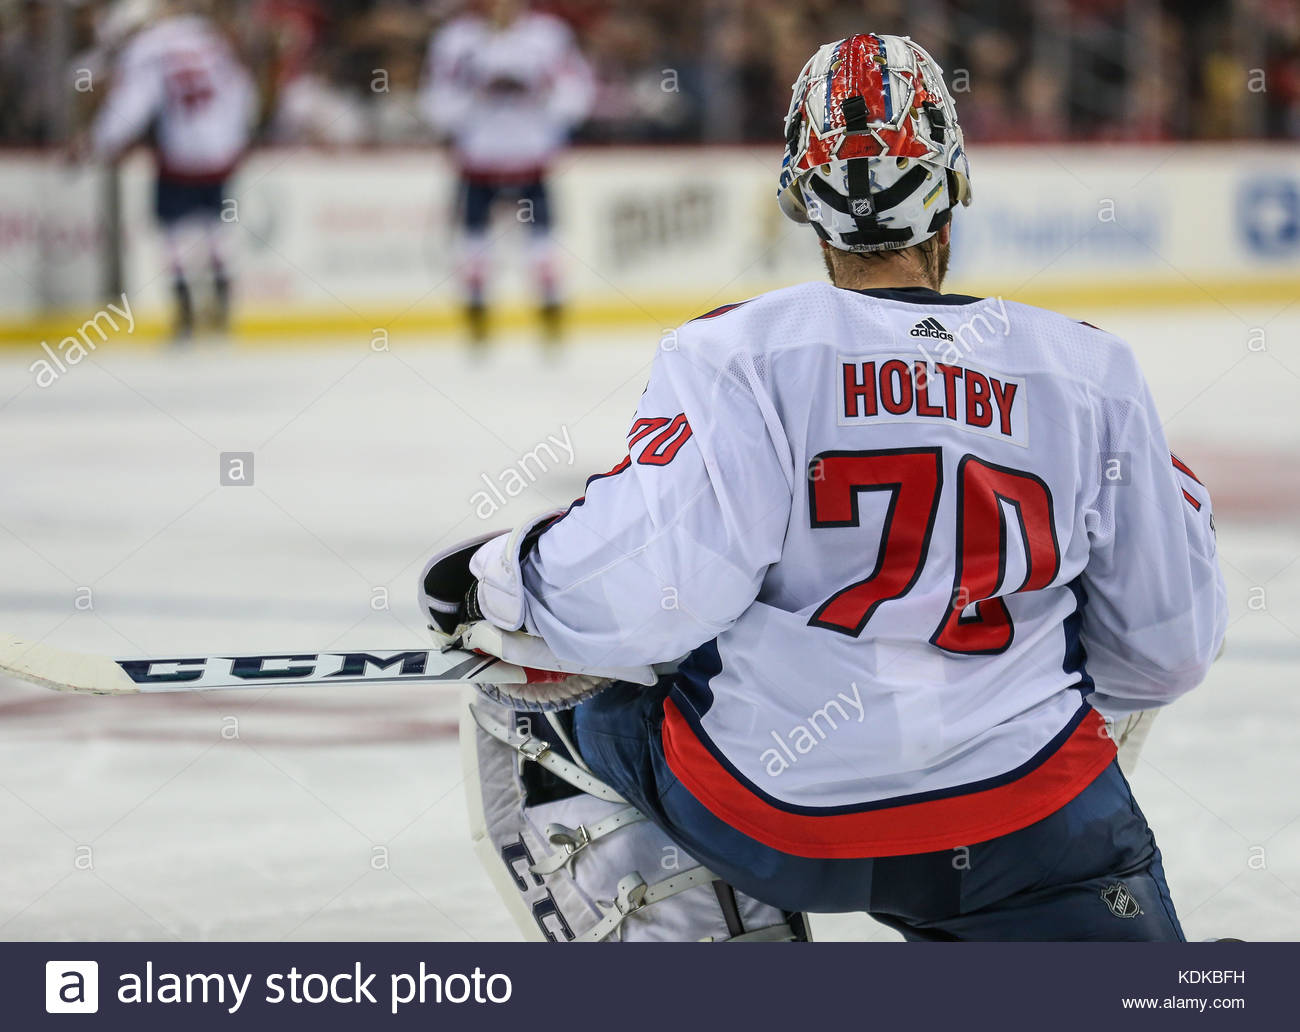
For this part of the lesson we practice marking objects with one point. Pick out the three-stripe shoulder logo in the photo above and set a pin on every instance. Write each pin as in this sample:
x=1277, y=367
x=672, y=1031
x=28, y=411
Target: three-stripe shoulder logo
x=931, y=328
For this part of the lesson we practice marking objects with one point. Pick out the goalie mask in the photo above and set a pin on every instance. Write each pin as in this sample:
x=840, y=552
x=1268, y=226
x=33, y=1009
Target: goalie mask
x=874, y=157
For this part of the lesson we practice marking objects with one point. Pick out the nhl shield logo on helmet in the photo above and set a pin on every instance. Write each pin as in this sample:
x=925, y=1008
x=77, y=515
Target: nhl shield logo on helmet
x=873, y=148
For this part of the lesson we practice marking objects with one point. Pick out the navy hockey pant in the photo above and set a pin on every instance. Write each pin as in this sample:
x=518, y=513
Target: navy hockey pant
x=477, y=200
x=1089, y=871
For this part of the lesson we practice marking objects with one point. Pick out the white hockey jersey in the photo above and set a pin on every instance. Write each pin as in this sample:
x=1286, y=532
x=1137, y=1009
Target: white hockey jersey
x=181, y=77
x=902, y=538
x=506, y=97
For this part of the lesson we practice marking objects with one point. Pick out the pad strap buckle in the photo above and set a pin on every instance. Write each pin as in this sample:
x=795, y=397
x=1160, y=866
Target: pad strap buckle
x=572, y=841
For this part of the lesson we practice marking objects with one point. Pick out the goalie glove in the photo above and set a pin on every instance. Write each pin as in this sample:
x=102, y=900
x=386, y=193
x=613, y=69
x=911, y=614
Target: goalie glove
x=450, y=588
x=473, y=596
x=445, y=586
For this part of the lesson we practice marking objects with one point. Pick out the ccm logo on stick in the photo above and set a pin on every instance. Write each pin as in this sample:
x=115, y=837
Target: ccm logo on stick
x=351, y=665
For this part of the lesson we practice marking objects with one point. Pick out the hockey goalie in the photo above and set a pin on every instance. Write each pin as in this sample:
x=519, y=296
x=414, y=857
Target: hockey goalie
x=846, y=628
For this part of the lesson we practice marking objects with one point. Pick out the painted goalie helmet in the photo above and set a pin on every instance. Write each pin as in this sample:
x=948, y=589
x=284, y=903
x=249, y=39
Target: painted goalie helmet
x=874, y=157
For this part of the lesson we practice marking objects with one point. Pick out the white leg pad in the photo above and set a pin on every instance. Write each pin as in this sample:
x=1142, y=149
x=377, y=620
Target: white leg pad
x=583, y=868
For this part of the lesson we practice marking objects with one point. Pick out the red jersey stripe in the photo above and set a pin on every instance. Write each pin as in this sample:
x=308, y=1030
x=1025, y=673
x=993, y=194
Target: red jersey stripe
x=721, y=310
x=1182, y=468
x=924, y=827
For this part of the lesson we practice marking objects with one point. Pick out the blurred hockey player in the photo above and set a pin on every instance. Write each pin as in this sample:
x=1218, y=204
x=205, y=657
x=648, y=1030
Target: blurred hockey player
x=506, y=86
x=178, y=81
x=845, y=621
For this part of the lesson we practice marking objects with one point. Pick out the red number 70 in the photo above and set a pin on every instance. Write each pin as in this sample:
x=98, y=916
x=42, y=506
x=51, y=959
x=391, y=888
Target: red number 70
x=913, y=477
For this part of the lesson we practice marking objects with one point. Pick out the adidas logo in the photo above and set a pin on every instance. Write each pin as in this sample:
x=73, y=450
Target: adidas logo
x=931, y=328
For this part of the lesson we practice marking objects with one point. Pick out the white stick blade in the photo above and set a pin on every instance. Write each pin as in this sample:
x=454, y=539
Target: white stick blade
x=63, y=671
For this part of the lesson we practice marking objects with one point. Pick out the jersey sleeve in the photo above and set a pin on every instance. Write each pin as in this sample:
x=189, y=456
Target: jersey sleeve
x=573, y=86
x=445, y=96
x=671, y=546
x=134, y=99
x=1156, y=604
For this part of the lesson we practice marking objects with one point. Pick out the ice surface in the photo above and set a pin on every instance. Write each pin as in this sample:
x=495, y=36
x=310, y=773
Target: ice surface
x=325, y=814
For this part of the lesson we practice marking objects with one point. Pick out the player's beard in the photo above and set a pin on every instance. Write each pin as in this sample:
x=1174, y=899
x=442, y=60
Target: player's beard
x=941, y=253
x=931, y=255
x=830, y=265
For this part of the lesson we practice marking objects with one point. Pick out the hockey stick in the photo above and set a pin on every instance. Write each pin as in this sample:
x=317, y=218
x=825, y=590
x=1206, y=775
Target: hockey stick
x=98, y=675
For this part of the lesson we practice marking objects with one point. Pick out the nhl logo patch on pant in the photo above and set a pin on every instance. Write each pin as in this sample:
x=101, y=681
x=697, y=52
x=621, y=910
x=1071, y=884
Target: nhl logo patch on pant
x=1120, y=900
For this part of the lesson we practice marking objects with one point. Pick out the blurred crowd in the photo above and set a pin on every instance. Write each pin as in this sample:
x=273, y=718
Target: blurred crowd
x=348, y=72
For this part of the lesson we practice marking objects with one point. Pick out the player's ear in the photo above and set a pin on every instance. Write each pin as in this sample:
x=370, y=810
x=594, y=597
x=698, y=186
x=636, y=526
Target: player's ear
x=945, y=234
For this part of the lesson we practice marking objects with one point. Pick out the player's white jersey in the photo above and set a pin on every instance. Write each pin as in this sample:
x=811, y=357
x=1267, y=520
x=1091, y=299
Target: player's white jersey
x=181, y=77
x=902, y=536
x=507, y=97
